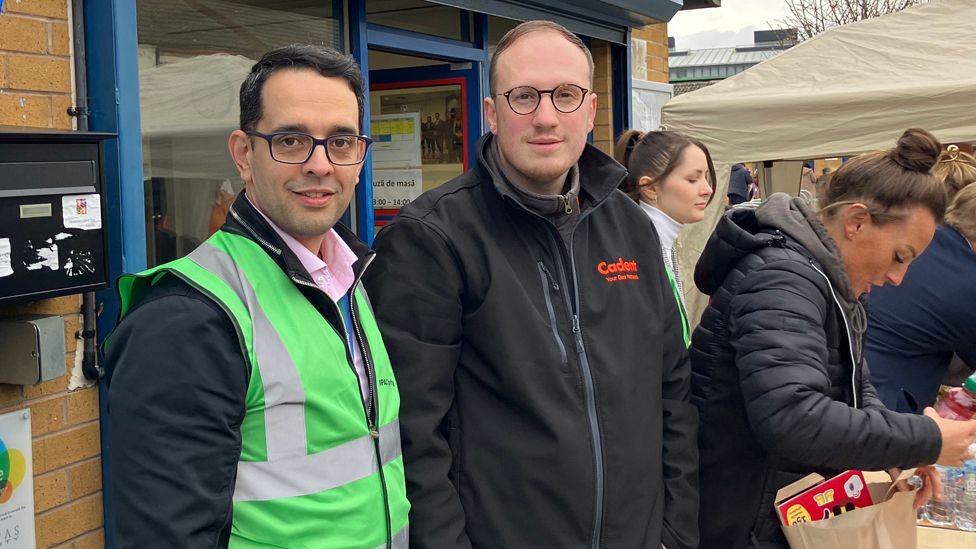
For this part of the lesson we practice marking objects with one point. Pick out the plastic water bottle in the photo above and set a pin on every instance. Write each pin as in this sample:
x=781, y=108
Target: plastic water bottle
x=965, y=501
x=940, y=513
x=959, y=403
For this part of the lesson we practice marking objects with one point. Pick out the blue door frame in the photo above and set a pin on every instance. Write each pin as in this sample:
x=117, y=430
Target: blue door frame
x=111, y=46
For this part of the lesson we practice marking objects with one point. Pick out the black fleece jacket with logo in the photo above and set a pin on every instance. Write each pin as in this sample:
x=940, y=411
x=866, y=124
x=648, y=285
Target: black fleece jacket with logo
x=544, y=386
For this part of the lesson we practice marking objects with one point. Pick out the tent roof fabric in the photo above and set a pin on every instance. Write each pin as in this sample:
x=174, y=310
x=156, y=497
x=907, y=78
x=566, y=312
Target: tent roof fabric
x=846, y=91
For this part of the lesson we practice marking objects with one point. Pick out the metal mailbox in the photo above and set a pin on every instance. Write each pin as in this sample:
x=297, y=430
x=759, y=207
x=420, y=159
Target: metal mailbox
x=52, y=214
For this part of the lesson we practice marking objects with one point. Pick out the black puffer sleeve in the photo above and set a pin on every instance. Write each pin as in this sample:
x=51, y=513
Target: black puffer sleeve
x=777, y=330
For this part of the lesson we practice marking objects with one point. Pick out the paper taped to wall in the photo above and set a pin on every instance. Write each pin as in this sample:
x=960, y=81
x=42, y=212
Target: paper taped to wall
x=82, y=211
x=5, y=268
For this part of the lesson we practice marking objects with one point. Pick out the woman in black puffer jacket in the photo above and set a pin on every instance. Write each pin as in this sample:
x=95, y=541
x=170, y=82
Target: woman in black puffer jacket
x=778, y=377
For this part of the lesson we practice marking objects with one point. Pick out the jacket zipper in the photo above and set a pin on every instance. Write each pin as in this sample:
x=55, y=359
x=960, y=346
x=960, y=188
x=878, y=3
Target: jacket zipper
x=254, y=233
x=373, y=429
x=590, y=392
x=589, y=387
x=549, y=281
x=370, y=405
x=847, y=330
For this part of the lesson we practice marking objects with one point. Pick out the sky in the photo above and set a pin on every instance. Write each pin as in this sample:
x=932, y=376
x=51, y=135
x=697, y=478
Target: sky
x=730, y=25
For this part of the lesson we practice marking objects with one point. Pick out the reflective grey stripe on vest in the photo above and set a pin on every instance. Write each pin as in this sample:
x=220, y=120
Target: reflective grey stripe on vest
x=284, y=397
x=311, y=474
x=401, y=540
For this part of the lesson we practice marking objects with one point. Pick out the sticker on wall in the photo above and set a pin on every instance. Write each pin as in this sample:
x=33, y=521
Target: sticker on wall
x=82, y=211
x=5, y=268
x=79, y=263
x=44, y=256
x=16, y=481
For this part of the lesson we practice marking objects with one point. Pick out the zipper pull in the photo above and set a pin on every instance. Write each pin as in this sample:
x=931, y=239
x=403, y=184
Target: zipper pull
x=552, y=280
x=578, y=334
x=373, y=431
x=568, y=208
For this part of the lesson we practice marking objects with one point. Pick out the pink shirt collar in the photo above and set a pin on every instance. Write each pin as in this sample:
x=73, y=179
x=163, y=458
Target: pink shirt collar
x=331, y=269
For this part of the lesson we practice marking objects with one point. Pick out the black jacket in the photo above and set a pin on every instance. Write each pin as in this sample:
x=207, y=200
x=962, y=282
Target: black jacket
x=775, y=383
x=739, y=182
x=544, y=388
x=177, y=382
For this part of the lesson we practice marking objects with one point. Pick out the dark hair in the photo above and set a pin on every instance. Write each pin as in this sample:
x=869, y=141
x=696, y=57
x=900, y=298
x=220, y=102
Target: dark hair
x=325, y=61
x=655, y=155
x=531, y=26
x=891, y=180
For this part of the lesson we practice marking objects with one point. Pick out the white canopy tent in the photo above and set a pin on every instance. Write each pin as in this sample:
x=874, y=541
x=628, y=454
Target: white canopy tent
x=189, y=107
x=849, y=90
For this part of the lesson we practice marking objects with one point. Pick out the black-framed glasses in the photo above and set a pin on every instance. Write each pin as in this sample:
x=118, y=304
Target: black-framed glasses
x=566, y=98
x=342, y=149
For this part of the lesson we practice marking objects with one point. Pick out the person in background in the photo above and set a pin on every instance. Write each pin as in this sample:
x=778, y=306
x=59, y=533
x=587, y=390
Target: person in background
x=754, y=192
x=437, y=127
x=536, y=339
x=778, y=375
x=914, y=330
x=821, y=184
x=808, y=180
x=671, y=177
x=740, y=183
x=251, y=402
x=427, y=138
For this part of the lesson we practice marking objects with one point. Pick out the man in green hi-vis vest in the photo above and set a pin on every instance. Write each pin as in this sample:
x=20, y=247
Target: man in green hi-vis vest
x=251, y=400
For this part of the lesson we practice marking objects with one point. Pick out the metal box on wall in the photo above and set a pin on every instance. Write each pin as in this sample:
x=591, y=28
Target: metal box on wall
x=52, y=233
x=33, y=349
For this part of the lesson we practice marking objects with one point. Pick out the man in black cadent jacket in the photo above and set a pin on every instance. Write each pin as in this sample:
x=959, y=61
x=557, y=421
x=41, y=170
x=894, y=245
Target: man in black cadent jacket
x=536, y=340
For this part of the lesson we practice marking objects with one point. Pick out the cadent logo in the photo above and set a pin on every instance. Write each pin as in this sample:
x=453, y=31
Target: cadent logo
x=616, y=271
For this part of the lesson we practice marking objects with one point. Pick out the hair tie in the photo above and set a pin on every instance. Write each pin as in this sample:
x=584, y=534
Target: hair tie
x=953, y=151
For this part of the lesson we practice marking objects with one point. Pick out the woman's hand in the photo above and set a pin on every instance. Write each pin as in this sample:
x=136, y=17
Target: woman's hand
x=931, y=484
x=956, y=438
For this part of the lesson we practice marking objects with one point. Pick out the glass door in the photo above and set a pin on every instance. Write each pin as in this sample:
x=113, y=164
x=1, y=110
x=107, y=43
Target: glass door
x=424, y=121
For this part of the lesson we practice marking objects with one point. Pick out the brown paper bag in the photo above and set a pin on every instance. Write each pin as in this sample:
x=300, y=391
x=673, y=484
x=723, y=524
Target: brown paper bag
x=888, y=524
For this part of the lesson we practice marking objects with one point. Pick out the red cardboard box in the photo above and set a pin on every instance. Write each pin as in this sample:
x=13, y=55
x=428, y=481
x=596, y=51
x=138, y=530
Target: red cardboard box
x=830, y=498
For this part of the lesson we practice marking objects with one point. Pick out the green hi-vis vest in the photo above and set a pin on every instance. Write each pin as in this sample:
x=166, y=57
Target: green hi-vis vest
x=312, y=473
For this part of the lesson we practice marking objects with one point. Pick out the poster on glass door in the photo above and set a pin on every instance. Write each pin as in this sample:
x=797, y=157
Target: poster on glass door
x=397, y=157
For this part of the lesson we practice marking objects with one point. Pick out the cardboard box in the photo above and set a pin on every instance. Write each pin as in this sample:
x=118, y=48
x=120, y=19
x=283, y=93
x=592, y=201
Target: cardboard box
x=840, y=494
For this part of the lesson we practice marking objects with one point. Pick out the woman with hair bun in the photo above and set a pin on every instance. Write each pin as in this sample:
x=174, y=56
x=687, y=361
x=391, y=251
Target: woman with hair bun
x=671, y=177
x=778, y=375
x=914, y=330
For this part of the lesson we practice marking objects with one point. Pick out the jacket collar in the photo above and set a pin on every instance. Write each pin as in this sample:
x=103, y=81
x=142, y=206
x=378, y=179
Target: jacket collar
x=244, y=220
x=599, y=175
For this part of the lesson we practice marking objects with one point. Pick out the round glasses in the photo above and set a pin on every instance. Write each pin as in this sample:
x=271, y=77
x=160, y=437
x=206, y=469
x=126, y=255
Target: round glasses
x=296, y=148
x=566, y=98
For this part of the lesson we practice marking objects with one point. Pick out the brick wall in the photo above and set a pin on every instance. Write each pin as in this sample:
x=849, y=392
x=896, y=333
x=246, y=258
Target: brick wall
x=603, y=87
x=656, y=37
x=35, y=91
